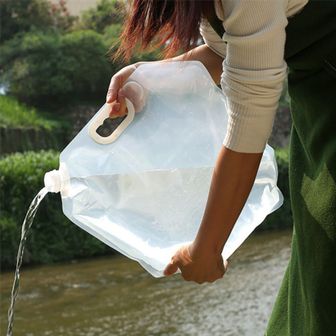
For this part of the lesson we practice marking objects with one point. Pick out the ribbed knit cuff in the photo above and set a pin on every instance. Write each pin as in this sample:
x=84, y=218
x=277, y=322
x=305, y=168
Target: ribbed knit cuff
x=252, y=99
x=248, y=131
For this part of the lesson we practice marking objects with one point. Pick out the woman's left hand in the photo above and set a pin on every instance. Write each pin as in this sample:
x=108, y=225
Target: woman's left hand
x=196, y=265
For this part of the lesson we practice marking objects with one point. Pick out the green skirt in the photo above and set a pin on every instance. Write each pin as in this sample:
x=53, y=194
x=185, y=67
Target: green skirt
x=306, y=303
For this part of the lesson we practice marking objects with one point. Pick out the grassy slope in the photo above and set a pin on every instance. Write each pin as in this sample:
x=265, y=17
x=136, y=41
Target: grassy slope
x=16, y=115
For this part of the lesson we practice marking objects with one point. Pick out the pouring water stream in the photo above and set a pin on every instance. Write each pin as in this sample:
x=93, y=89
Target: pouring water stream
x=27, y=223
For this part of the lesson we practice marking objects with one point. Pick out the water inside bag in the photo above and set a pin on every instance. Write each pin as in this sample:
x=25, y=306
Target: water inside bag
x=137, y=220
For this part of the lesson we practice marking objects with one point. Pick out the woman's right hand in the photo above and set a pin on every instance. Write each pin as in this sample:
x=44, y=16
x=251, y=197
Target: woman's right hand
x=116, y=94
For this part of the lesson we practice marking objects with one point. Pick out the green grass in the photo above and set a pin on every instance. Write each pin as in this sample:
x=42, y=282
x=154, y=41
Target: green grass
x=16, y=115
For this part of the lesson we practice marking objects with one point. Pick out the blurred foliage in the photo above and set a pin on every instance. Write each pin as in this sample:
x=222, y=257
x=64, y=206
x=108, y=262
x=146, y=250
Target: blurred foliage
x=50, y=60
x=9, y=237
x=50, y=70
x=53, y=237
x=21, y=16
x=107, y=13
x=15, y=114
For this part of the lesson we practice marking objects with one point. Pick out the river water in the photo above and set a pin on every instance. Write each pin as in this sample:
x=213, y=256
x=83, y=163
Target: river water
x=115, y=296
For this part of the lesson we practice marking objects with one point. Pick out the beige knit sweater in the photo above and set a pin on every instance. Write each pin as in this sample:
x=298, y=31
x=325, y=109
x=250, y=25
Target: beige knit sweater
x=253, y=68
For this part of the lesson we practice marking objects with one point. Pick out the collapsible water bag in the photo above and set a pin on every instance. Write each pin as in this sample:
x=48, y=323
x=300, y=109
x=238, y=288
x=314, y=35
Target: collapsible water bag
x=142, y=190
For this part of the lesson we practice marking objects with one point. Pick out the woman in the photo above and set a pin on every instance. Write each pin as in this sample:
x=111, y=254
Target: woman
x=249, y=45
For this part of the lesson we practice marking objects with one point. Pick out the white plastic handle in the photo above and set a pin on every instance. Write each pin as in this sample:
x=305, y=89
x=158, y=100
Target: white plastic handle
x=103, y=114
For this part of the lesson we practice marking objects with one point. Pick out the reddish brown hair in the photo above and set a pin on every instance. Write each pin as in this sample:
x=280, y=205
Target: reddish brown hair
x=173, y=24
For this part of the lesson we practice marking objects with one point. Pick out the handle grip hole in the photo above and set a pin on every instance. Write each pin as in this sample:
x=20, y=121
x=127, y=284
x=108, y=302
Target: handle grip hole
x=109, y=125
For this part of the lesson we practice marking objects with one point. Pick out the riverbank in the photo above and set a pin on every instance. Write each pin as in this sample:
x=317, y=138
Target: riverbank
x=114, y=295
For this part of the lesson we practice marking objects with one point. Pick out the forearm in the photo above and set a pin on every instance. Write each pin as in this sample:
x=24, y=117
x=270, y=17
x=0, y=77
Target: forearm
x=232, y=180
x=205, y=55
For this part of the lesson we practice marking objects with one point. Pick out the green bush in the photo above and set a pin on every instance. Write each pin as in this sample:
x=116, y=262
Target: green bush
x=53, y=237
x=18, y=16
x=49, y=70
x=51, y=61
x=105, y=14
x=9, y=237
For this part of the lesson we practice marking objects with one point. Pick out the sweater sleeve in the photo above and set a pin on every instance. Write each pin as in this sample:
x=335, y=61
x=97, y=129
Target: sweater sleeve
x=253, y=70
x=211, y=39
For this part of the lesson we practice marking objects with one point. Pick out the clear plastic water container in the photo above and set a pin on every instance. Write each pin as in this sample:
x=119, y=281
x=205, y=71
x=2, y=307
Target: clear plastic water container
x=142, y=190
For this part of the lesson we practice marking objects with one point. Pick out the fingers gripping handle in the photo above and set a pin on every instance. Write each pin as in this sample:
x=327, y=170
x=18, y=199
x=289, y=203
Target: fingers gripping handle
x=103, y=114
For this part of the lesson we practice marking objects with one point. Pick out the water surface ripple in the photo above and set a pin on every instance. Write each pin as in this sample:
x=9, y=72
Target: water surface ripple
x=115, y=296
